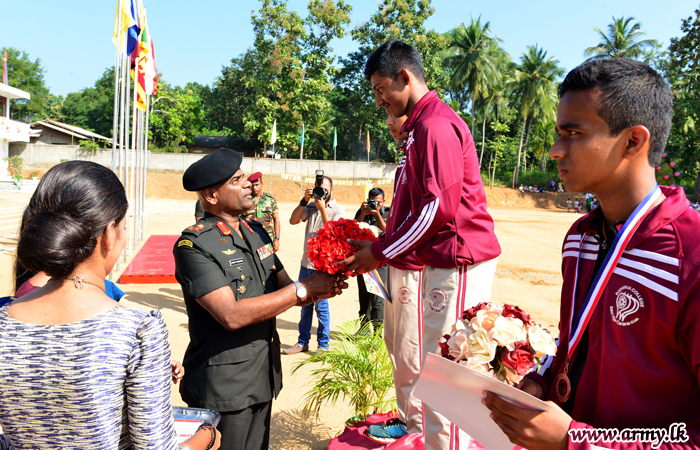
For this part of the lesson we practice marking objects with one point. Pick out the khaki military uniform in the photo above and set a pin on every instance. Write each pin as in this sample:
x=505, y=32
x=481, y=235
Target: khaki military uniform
x=227, y=370
x=265, y=207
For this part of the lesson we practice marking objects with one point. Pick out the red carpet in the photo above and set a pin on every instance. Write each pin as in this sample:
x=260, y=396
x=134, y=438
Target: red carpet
x=154, y=263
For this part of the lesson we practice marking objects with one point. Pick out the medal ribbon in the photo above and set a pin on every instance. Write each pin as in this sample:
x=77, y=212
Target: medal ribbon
x=577, y=326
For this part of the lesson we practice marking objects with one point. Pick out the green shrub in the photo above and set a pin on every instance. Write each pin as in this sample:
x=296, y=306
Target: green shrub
x=14, y=166
x=357, y=367
x=89, y=145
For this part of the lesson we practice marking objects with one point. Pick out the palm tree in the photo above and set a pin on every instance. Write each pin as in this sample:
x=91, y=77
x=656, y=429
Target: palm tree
x=495, y=101
x=475, y=60
x=534, y=86
x=620, y=41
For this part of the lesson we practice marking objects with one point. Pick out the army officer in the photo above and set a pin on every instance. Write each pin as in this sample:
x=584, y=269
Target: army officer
x=234, y=286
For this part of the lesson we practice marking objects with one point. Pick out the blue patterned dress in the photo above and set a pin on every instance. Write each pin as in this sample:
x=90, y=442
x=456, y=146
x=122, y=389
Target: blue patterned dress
x=100, y=383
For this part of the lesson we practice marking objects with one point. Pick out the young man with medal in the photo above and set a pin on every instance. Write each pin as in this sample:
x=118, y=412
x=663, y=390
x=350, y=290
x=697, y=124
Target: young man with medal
x=629, y=332
x=233, y=286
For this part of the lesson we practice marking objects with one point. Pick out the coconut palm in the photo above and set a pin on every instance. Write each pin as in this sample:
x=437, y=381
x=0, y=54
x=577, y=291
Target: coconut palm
x=534, y=86
x=620, y=41
x=495, y=102
x=475, y=60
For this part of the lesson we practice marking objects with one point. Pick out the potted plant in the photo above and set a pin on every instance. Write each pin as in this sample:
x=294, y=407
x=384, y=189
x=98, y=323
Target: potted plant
x=356, y=367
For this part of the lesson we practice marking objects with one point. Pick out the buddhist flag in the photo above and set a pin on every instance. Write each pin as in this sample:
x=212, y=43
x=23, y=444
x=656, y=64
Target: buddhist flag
x=273, y=138
x=335, y=137
x=368, y=144
x=125, y=33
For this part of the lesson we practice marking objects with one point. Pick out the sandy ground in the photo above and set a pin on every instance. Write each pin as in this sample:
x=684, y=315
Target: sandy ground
x=528, y=275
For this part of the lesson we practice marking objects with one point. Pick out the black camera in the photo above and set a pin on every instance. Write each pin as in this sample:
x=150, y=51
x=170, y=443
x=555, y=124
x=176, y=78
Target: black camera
x=319, y=191
x=372, y=204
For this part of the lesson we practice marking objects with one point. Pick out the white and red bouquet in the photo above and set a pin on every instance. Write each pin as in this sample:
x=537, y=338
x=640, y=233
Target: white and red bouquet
x=502, y=342
x=330, y=245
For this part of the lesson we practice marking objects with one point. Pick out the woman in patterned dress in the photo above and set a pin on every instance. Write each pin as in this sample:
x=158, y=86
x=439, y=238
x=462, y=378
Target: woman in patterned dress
x=78, y=370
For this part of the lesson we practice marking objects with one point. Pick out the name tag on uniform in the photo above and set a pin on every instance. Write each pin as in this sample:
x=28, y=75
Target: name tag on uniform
x=266, y=251
x=235, y=262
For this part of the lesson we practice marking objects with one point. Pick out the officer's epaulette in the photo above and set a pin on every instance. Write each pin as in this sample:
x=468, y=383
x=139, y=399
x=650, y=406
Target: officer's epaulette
x=197, y=228
x=247, y=224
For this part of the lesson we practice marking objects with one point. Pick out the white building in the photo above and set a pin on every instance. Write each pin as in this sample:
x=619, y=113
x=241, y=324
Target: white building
x=10, y=130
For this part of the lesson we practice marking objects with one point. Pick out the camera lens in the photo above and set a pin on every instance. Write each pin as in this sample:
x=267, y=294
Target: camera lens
x=319, y=192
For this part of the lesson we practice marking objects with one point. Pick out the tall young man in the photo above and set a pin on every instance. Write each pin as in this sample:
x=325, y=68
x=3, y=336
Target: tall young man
x=629, y=331
x=441, y=197
x=402, y=334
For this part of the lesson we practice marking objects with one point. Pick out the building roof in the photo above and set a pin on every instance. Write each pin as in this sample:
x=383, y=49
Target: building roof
x=13, y=93
x=72, y=130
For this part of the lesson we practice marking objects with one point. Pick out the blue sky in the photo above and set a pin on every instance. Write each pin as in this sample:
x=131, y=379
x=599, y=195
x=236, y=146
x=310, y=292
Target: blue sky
x=194, y=39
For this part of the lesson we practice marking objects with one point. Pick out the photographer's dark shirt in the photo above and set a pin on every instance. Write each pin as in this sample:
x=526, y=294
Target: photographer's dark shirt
x=370, y=219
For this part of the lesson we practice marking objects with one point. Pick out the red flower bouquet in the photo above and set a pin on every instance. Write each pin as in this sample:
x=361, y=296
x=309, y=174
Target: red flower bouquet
x=330, y=246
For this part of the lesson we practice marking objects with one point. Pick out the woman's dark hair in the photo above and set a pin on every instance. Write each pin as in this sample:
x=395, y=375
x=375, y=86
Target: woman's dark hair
x=631, y=93
x=72, y=206
x=21, y=273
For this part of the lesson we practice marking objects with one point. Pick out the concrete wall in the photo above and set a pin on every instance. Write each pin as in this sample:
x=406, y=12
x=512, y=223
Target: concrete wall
x=47, y=155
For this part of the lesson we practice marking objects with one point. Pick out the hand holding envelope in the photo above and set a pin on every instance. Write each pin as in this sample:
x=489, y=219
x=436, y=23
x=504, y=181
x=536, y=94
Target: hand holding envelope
x=457, y=393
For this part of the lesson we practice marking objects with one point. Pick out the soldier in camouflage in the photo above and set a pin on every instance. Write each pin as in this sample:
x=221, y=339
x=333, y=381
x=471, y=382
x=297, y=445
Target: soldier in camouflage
x=265, y=210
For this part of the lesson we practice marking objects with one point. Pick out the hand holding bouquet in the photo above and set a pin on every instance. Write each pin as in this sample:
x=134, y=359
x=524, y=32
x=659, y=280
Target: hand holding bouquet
x=330, y=245
x=502, y=342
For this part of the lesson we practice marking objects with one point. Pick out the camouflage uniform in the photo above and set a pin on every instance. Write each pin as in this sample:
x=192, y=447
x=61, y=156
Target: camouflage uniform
x=264, y=208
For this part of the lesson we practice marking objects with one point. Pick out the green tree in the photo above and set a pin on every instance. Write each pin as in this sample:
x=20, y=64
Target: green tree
x=621, y=41
x=476, y=62
x=534, y=86
x=28, y=76
x=176, y=116
x=288, y=71
x=684, y=73
x=92, y=108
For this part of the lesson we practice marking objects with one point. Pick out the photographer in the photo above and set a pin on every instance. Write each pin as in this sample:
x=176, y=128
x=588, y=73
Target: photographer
x=374, y=213
x=315, y=213
x=373, y=210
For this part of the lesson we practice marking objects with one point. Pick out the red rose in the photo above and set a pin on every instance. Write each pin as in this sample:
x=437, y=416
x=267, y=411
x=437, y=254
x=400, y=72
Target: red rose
x=444, y=348
x=521, y=359
x=471, y=312
x=514, y=311
x=330, y=245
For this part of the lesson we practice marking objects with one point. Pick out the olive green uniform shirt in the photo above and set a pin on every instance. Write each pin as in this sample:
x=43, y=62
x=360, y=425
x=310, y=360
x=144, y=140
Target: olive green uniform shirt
x=265, y=207
x=227, y=370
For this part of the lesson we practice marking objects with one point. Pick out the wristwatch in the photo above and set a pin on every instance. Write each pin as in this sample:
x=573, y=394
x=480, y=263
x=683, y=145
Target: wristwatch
x=277, y=238
x=301, y=291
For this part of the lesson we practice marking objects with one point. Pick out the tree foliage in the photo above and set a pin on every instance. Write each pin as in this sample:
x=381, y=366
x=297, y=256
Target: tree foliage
x=621, y=41
x=28, y=76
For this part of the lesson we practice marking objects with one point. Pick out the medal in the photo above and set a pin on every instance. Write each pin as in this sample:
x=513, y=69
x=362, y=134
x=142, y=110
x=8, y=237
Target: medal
x=563, y=384
x=579, y=322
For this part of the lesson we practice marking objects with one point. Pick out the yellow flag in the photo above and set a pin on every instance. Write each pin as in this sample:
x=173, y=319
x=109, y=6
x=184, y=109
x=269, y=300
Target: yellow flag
x=120, y=29
x=367, y=143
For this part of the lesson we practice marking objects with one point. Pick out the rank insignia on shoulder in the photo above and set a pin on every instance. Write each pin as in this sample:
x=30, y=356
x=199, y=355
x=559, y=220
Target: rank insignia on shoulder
x=184, y=243
x=198, y=227
x=228, y=252
x=223, y=228
x=247, y=226
x=265, y=251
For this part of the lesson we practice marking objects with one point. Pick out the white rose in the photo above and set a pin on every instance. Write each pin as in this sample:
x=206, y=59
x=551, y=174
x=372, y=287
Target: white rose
x=474, y=365
x=485, y=318
x=541, y=341
x=509, y=330
x=371, y=228
x=459, y=344
x=483, y=347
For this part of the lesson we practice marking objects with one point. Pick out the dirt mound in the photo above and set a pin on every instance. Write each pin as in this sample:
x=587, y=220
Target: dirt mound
x=169, y=185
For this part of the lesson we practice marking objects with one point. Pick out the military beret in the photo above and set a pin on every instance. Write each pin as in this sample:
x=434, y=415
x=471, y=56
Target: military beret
x=212, y=169
x=255, y=177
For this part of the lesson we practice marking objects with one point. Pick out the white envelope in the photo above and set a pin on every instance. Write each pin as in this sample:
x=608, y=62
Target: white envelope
x=455, y=391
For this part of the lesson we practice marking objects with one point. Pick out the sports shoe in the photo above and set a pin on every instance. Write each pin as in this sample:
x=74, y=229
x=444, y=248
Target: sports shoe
x=296, y=348
x=392, y=430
